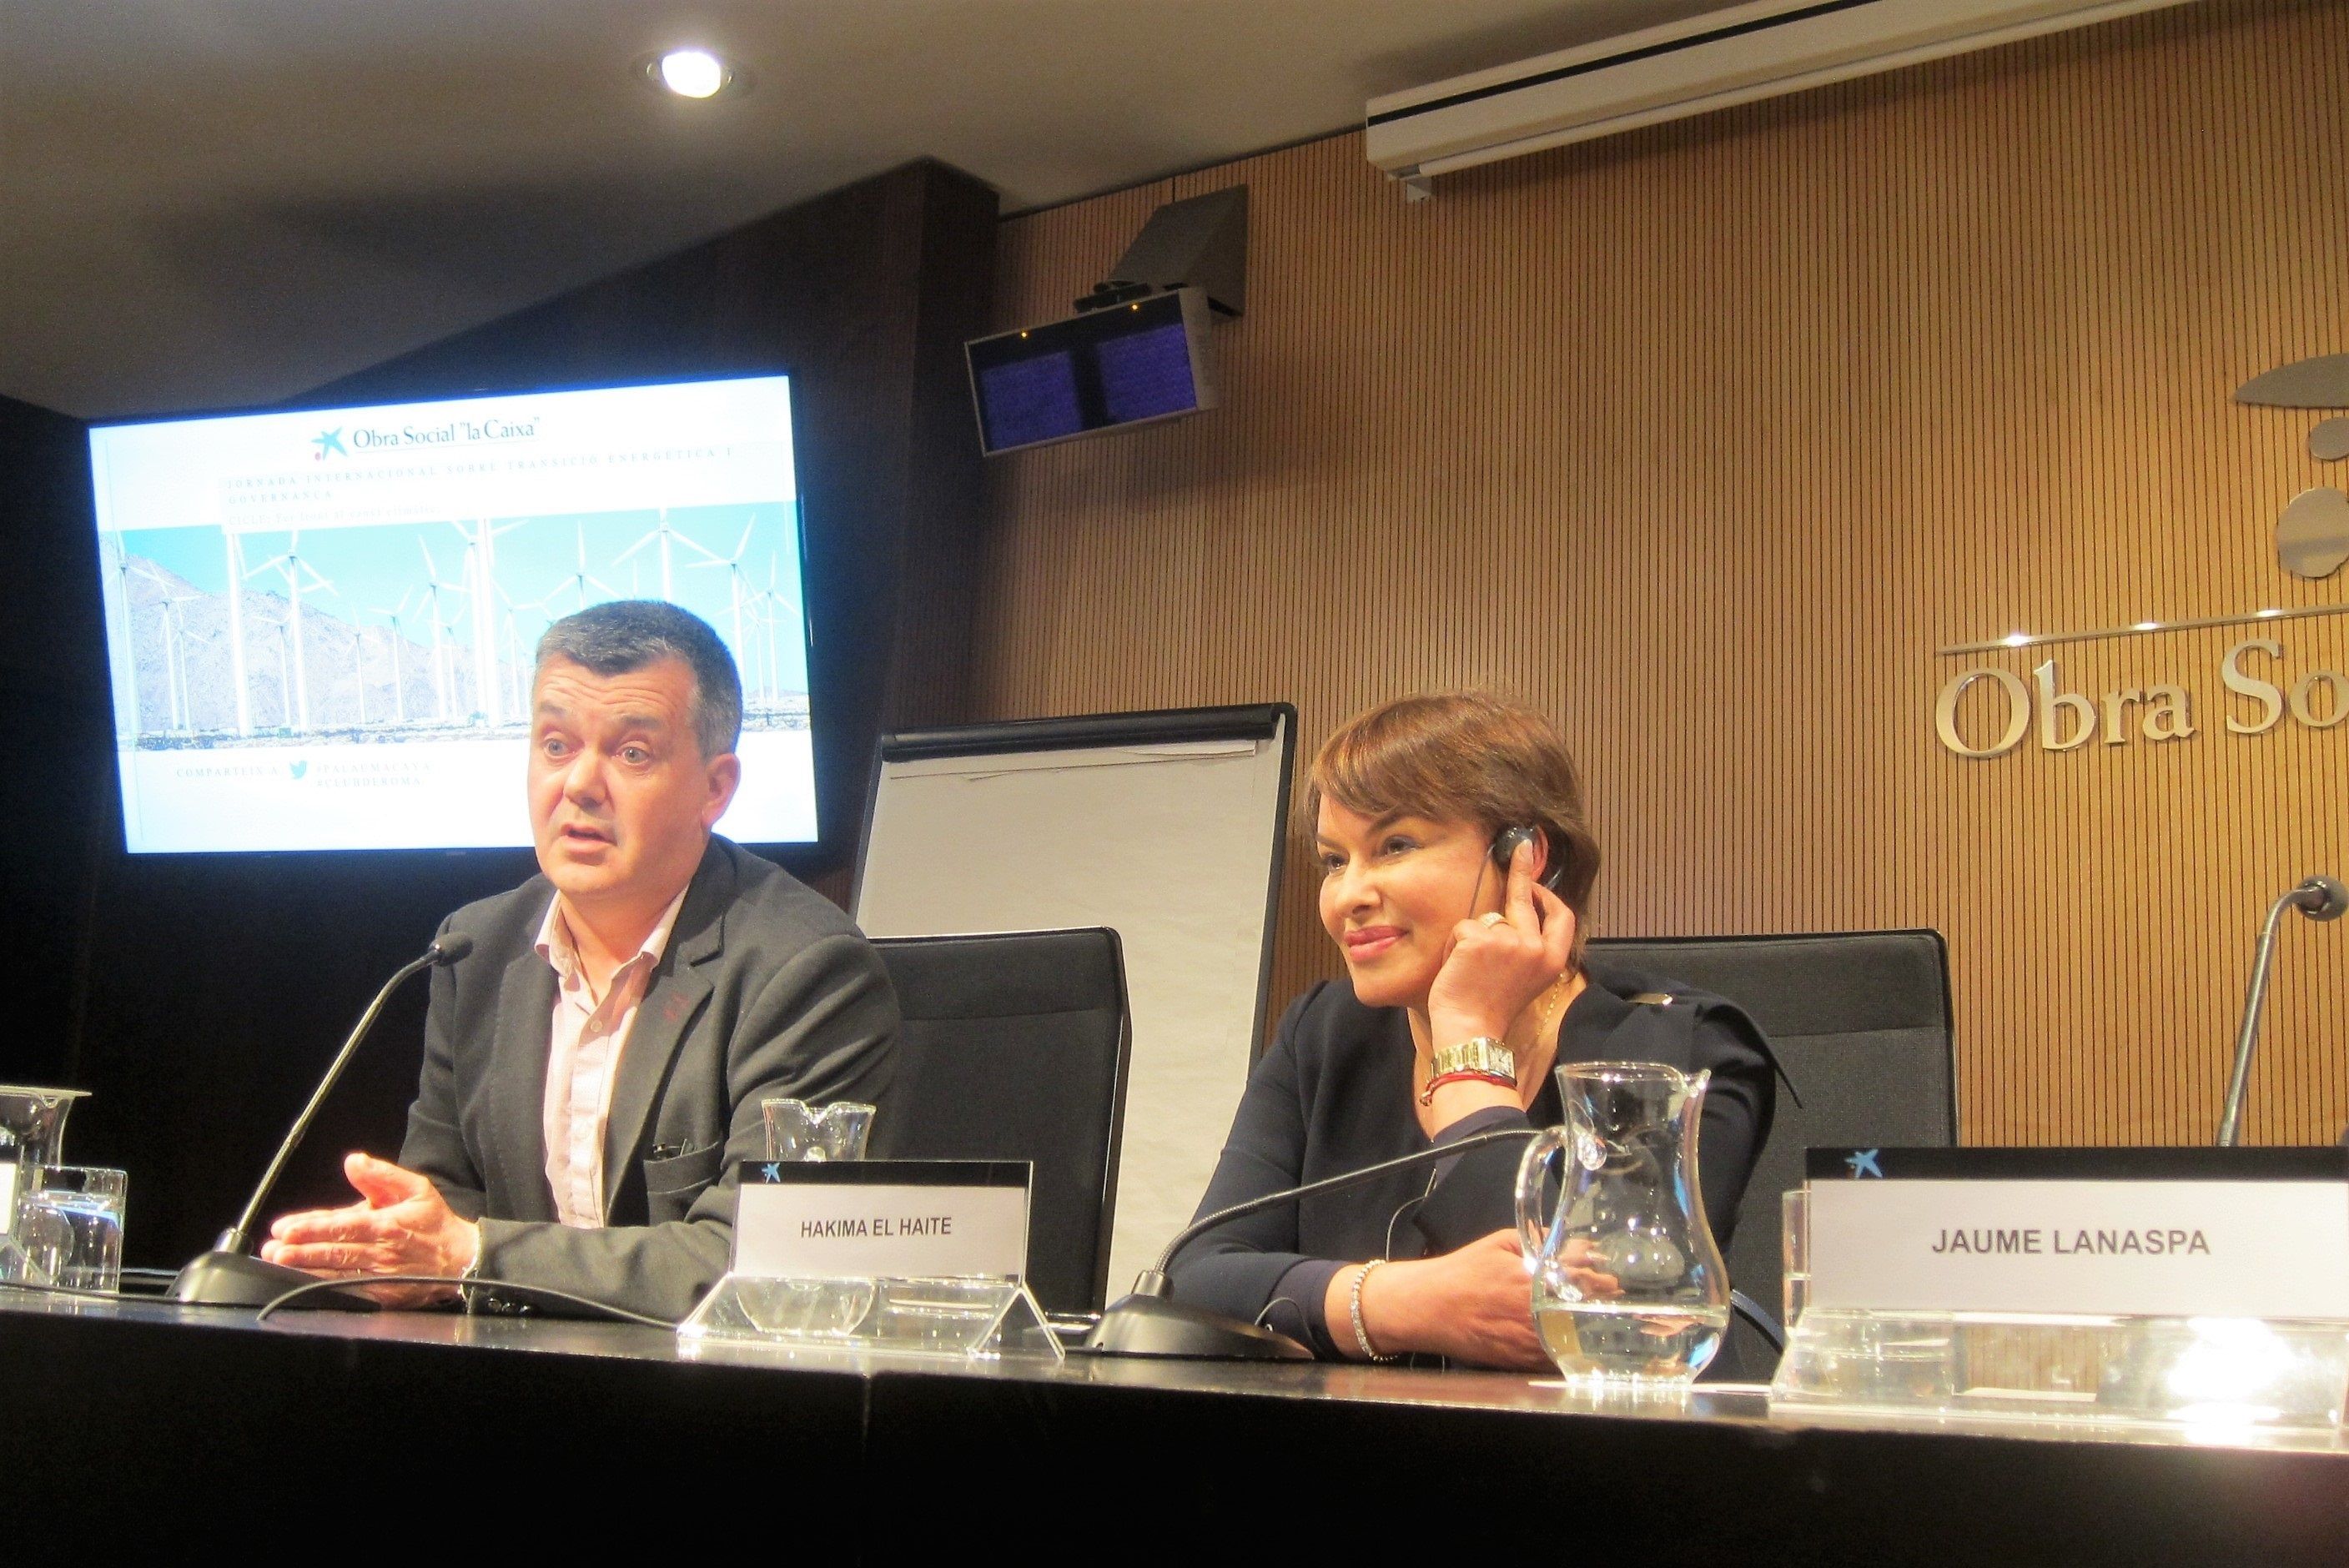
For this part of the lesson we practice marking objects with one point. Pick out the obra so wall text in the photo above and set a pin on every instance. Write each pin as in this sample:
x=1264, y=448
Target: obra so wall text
x=2261, y=692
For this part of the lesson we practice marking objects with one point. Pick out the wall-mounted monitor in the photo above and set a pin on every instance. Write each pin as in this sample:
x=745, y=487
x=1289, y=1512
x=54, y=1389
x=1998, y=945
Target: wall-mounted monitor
x=1130, y=363
x=320, y=625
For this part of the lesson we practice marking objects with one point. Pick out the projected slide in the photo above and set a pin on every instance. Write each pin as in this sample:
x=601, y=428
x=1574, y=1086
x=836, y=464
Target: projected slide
x=320, y=626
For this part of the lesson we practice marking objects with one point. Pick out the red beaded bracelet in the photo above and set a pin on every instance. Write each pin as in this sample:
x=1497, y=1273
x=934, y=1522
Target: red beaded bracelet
x=1464, y=1075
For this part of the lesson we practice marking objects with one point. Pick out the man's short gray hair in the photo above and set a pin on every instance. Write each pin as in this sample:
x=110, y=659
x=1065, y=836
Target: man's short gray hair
x=625, y=634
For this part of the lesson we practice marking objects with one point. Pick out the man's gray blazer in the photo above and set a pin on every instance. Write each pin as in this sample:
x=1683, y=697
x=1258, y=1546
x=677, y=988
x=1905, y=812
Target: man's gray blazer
x=764, y=989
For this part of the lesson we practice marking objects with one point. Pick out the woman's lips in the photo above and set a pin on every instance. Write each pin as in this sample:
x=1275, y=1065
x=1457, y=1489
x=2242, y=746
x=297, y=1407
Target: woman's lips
x=1371, y=941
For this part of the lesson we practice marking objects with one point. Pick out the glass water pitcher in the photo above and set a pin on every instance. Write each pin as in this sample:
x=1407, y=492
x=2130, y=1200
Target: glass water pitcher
x=32, y=1126
x=1627, y=1286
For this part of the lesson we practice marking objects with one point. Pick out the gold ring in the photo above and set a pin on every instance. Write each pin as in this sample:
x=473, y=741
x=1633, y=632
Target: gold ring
x=1491, y=917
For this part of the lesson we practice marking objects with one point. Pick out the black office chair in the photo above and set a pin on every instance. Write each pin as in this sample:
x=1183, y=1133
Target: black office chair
x=1014, y=1048
x=1861, y=1022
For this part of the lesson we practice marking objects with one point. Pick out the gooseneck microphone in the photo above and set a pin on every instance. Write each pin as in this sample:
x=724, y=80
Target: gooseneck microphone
x=2317, y=897
x=228, y=1275
x=1149, y=1322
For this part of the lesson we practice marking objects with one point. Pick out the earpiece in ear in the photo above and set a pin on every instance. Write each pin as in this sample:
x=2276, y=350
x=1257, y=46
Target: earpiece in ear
x=1504, y=844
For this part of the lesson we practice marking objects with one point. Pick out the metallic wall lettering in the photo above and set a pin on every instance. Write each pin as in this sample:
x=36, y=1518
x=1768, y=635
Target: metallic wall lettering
x=2053, y=704
x=2068, y=720
x=2018, y=713
x=2336, y=708
x=2269, y=696
x=2319, y=383
x=2313, y=535
x=2172, y=717
x=2117, y=713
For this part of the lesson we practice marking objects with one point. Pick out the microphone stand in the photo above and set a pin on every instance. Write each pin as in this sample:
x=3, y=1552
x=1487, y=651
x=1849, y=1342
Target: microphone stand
x=2317, y=897
x=1149, y=1322
x=229, y=1276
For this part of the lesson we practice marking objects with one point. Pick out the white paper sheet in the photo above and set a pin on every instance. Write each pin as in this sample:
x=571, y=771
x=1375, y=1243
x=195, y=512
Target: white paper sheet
x=1172, y=846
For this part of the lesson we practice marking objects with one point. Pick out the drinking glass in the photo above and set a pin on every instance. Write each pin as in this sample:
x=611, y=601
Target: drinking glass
x=1794, y=1252
x=69, y=1225
x=797, y=1130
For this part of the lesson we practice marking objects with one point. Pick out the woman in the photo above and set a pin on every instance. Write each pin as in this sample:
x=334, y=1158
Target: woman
x=1466, y=986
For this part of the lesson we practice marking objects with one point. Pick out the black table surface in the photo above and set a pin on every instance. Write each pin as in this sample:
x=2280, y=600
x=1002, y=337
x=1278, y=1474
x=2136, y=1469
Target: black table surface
x=199, y=1416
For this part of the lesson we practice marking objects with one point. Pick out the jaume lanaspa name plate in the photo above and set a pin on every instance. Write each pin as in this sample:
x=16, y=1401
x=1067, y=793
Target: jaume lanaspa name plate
x=883, y=1219
x=2171, y=1233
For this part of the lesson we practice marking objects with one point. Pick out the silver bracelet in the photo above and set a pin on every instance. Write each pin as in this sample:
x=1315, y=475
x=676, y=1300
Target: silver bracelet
x=1354, y=1306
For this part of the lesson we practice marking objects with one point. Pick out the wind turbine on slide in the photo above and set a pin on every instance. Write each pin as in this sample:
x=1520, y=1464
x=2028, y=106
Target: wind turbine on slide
x=668, y=539
x=294, y=568
x=233, y=548
x=775, y=611
x=481, y=570
x=122, y=592
x=433, y=588
x=284, y=674
x=735, y=584
x=175, y=654
x=518, y=691
x=577, y=583
x=359, y=655
x=395, y=618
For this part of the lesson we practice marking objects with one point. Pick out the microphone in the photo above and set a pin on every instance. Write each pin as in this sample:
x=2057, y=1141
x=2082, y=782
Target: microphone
x=1149, y=1322
x=228, y=1275
x=2317, y=897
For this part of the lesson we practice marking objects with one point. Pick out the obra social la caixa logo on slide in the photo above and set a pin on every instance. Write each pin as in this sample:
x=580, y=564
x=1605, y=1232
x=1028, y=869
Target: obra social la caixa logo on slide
x=2260, y=690
x=337, y=443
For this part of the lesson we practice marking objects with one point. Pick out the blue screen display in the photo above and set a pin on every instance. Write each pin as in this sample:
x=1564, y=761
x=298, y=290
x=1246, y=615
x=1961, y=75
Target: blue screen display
x=1030, y=400
x=1122, y=365
x=1147, y=374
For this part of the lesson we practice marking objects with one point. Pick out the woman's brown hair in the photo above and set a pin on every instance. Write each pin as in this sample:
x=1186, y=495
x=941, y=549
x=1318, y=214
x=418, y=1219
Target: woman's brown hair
x=1474, y=756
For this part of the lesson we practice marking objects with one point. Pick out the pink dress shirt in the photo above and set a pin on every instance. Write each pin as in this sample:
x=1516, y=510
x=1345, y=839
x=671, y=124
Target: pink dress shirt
x=584, y=1059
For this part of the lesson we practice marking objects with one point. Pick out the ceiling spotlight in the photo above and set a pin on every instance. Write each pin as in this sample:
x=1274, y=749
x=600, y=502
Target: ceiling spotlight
x=692, y=73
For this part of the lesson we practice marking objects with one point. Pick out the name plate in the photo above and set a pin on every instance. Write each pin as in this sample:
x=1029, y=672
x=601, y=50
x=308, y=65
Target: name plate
x=883, y=1219
x=2164, y=1233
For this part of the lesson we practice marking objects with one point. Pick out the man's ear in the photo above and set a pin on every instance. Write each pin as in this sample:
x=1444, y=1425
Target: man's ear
x=724, y=777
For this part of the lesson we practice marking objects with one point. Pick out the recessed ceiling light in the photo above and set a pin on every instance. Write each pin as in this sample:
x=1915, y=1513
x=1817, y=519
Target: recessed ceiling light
x=692, y=73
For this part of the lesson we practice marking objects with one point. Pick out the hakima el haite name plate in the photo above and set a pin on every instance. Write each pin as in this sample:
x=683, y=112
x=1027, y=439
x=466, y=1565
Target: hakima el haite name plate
x=883, y=1218
x=2231, y=1232
x=923, y=1257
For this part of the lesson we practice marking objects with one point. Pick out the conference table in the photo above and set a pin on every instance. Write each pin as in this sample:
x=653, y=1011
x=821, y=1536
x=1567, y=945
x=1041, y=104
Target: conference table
x=190, y=1421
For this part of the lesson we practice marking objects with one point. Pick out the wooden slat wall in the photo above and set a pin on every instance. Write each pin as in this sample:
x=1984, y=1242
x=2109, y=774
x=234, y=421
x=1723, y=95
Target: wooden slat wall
x=1705, y=437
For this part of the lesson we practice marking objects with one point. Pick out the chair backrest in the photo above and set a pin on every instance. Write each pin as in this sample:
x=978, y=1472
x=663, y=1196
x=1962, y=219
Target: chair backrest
x=1860, y=1021
x=1014, y=1048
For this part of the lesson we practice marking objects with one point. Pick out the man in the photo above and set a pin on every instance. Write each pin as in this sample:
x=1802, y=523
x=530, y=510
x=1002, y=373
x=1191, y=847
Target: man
x=595, y=1068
